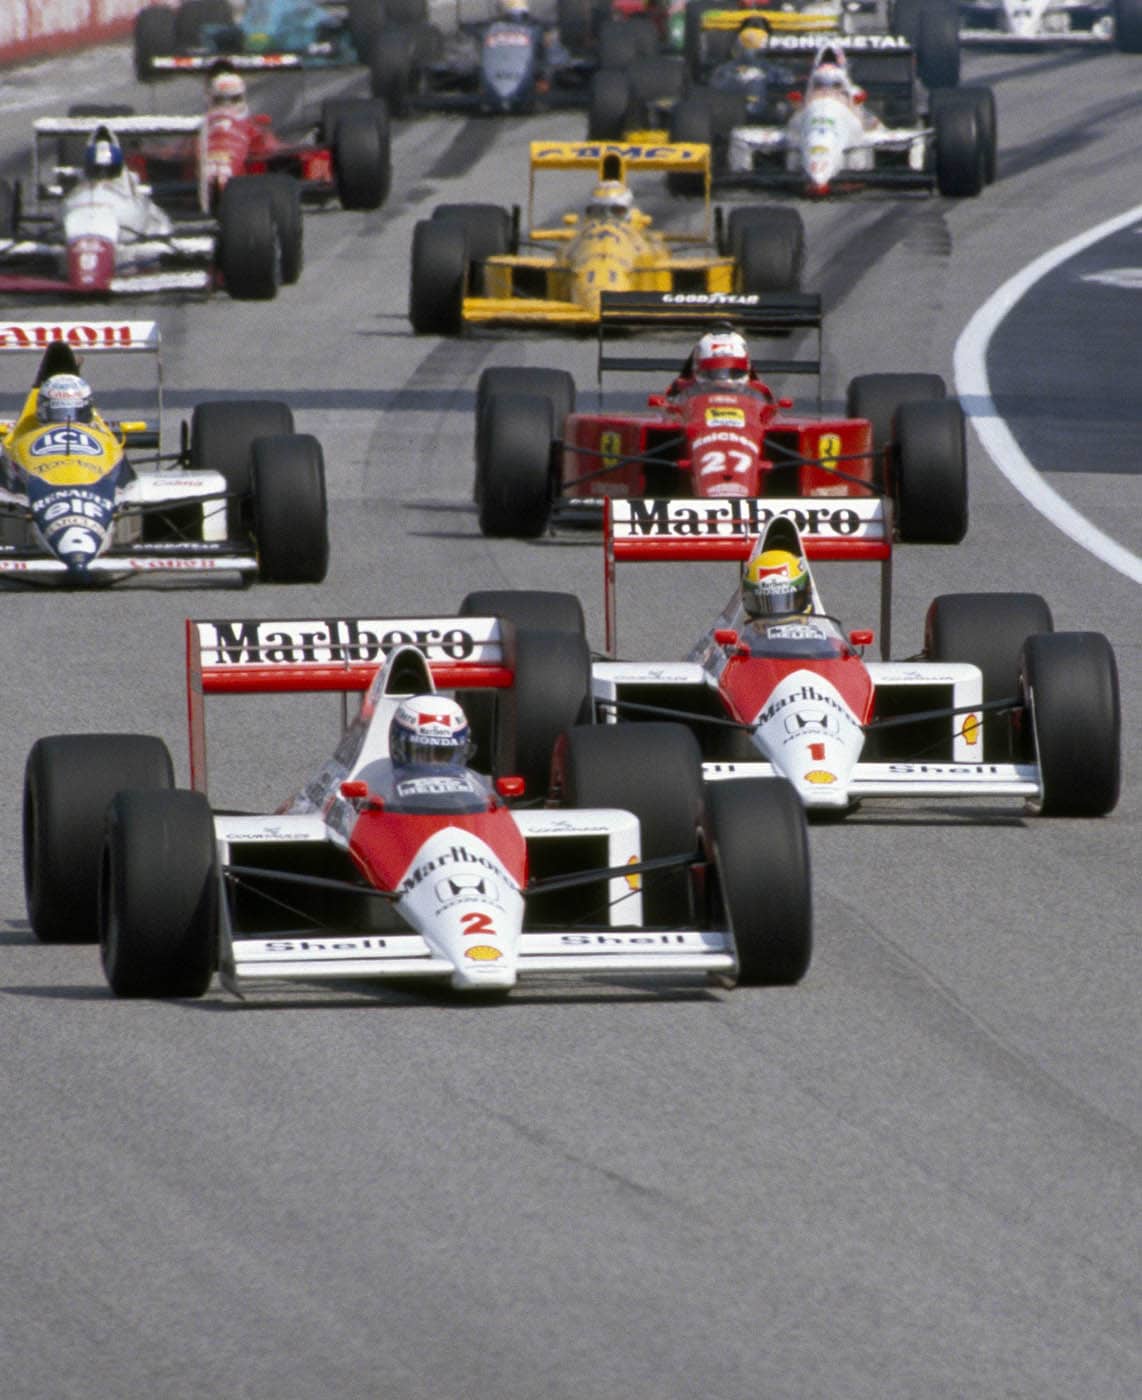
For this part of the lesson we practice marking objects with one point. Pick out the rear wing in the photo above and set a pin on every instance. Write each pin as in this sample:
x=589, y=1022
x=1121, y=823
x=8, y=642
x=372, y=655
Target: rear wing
x=90, y=338
x=613, y=160
x=762, y=317
x=203, y=62
x=690, y=530
x=779, y=22
x=262, y=656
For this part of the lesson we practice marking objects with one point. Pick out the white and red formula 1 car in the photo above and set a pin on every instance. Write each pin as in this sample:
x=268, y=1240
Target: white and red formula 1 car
x=998, y=704
x=375, y=869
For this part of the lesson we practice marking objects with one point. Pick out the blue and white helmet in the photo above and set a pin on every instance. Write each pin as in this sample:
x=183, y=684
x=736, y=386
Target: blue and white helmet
x=64, y=398
x=430, y=729
x=103, y=157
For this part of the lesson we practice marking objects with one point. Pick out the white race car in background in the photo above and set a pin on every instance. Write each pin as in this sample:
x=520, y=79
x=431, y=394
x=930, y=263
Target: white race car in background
x=833, y=141
x=1018, y=23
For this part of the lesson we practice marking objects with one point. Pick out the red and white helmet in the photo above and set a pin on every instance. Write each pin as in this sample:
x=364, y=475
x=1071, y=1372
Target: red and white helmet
x=430, y=729
x=227, y=92
x=721, y=357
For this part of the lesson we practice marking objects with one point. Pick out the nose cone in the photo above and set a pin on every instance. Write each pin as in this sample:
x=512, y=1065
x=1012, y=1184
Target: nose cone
x=91, y=263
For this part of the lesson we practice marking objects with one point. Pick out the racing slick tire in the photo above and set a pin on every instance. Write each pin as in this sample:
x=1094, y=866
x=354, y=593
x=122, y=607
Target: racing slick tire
x=557, y=385
x=607, y=105
x=438, y=277
x=515, y=476
x=767, y=241
x=769, y=259
x=9, y=209
x=930, y=480
x=1069, y=681
x=662, y=77
x=574, y=20
x=249, y=250
x=528, y=610
x=362, y=156
x=285, y=196
x=391, y=69
x=989, y=630
x=68, y=782
x=154, y=38
x=937, y=44
x=159, y=895
x=290, y=512
x=654, y=770
x=877, y=398
x=550, y=692
x=192, y=16
x=623, y=42
x=366, y=20
x=691, y=120
x=1128, y=25
x=222, y=434
x=905, y=18
x=702, y=50
x=982, y=101
x=406, y=11
x=961, y=150
x=487, y=229
x=757, y=837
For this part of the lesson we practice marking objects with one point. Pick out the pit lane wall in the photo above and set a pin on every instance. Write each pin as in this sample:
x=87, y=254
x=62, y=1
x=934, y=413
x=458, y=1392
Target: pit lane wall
x=37, y=28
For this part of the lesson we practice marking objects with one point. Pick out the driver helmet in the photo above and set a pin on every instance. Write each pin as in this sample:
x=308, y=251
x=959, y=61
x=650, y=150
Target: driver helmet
x=722, y=357
x=751, y=39
x=829, y=77
x=776, y=582
x=103, y=156
x=64, y=398
x=611, y=200
x=513, y=9
x=226, y=91
x=430, y=729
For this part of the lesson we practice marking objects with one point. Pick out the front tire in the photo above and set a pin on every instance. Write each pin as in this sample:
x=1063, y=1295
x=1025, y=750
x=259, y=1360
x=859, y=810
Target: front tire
x=68, y=781
x=362, y=160
x=154, y=38
x=930, y=480
x=438, y=279
x=515, y=476
x=290, y=511
x=961, y=155
x=250, y=255
x=158, y=904
x=1070, y=685
x=768, y=243
x=758, y=839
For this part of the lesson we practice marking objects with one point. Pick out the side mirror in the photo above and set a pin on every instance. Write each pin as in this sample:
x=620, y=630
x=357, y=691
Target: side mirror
x=510, y=787
x=725, y=636
x=784, y=403
x=861, y=638
x=655, y=400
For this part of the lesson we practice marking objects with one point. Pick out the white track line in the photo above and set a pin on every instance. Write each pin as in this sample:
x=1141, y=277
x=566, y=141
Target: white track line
x=975, y=392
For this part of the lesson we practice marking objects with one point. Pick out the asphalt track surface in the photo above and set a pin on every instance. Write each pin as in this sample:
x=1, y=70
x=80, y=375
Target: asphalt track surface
x=917, y=1174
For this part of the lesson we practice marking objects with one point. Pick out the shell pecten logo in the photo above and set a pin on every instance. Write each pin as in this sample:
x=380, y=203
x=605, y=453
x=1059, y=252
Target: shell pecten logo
x=483, y=952
x=820, y=775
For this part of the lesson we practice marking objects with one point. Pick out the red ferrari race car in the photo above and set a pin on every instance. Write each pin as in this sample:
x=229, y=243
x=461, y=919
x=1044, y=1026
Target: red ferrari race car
x=718, y=431
x=398, y=857
x=997, y=705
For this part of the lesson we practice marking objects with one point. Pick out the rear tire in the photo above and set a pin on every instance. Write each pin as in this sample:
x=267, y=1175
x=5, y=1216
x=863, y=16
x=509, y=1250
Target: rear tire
x=988, y=630
x=154, y=38
x=439, y=275
x=192, y=16
x=291, y=518
x=1070, y=682
x=758, y=840
x=768, y=245
x=222, y=435
x=391, y=75
x=250, y=254
x=550, y=692
x=515, y=476
x=158, y=904
x=930, y=480
x=655, y=771
x=362, y=157
x=937, y=44
x=961, y=155
x=68, y=782
x=691, y=120
x=608, y=104
x=877, y=398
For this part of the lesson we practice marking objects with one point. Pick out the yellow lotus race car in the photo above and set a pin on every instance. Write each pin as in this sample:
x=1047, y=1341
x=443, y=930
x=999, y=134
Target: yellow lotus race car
x=468, y=267
x=244, y=494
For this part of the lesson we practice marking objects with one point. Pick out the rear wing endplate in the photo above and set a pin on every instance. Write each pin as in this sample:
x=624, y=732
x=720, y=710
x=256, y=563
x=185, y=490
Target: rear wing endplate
x=689, y=530
x=261, y=656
